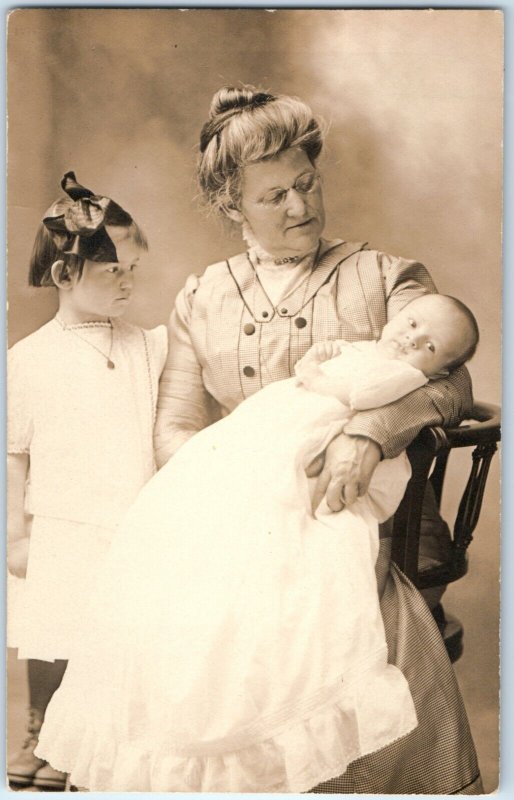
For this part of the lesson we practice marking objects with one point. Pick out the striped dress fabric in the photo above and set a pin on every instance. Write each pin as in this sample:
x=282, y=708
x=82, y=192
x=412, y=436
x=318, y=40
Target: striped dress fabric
x=438, y=757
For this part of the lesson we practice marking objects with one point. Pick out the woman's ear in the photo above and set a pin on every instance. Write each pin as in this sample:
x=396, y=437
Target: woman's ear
x=234, y=214
x=61, y=275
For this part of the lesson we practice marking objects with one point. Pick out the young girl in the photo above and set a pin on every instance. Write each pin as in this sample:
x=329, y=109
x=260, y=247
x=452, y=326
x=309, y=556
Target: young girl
x=233, y=656
x=81, y=408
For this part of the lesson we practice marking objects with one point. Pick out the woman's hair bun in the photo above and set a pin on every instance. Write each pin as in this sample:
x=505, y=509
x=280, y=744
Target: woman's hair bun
x=247, y=125
x=232, y=98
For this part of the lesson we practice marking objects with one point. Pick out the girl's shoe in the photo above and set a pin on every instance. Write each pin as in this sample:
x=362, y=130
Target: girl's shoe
x=48, y=779
x=22, y=767
x=70, y=787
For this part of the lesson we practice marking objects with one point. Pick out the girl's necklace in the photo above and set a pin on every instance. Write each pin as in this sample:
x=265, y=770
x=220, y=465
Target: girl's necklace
x=71, y=329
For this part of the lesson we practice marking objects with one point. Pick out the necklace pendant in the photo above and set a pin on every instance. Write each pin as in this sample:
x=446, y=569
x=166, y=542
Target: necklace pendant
x=110, y=364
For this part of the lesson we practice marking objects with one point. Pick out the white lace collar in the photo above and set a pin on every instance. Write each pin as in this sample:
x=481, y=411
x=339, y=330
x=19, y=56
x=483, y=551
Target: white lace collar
x=262, y=258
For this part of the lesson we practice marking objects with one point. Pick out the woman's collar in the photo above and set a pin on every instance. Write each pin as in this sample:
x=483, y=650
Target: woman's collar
x=259, y=255
x=331, y=253
x=260, y=258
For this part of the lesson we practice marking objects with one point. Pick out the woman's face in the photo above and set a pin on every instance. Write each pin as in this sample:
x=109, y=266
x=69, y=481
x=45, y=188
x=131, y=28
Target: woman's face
x=282, y=203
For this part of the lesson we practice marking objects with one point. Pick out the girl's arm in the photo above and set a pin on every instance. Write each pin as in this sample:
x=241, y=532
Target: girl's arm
x=17, y=527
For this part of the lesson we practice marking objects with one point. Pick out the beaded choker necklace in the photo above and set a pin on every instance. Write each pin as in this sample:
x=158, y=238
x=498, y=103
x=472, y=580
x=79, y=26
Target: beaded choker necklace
x=72, y=329
x=287, y=260
x=262, y=255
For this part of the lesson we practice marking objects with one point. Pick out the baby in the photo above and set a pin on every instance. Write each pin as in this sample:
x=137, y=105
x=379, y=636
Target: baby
x=433, y=334
x=244, y=648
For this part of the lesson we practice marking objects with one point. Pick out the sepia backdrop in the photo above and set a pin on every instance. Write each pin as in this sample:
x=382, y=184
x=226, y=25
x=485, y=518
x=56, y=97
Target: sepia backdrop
x=413, y=105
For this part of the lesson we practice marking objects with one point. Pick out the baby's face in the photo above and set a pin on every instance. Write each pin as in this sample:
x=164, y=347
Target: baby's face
x=428, y=333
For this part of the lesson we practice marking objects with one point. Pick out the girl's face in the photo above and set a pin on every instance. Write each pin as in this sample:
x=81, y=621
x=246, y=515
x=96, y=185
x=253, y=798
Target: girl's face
x=104, y=290
x=282, y=202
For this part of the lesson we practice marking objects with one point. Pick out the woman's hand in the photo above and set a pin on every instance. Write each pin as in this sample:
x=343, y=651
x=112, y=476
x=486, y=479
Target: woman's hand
x=345, y=472
x=18, y=556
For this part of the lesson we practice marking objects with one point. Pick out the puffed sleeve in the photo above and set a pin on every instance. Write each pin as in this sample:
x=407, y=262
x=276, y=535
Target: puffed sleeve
x=444, y=402
x=385, y=382
x=183, y=405
x=20, y=420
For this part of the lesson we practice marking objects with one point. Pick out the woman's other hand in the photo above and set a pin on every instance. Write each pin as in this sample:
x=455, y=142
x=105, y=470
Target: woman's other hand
x=18, y=556
x=345, y=472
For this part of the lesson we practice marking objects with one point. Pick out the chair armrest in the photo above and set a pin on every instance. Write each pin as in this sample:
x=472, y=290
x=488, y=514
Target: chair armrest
x=482, y=432
x=483, y=427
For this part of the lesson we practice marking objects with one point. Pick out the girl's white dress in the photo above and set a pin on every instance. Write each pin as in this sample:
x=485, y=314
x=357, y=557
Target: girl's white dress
x=237, y=637
x=88, y=431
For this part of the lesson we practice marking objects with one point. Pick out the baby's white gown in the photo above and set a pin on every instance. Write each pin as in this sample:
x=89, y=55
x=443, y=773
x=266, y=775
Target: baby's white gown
x=235, y=641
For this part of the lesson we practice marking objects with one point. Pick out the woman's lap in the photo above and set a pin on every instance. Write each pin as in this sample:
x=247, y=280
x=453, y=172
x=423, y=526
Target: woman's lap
x=438, y=757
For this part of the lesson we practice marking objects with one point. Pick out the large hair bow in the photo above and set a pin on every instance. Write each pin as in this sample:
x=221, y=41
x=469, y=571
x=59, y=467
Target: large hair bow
x=77, y=223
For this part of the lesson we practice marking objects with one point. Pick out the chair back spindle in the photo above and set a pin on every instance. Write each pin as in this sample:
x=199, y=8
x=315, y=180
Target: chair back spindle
x=482, y=433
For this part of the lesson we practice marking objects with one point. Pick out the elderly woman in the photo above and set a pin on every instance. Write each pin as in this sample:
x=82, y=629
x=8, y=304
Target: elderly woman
x=246, y=322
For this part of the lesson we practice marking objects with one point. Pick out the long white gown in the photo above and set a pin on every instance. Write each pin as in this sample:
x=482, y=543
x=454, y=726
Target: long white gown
x=234, y=640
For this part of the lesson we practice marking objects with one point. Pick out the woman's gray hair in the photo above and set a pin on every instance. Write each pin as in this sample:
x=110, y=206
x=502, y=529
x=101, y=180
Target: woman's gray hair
x=245, y=126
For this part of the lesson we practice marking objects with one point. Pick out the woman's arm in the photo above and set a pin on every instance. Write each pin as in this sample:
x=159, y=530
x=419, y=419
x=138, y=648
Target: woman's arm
x=183, y=405
x=17, y=527
x=393, y=427
x=351, y=458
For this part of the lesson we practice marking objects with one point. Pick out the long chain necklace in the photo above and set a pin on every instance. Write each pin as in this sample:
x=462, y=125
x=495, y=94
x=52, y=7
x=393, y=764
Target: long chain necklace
x=257, y=280
x=71, y=329
x=300, y=321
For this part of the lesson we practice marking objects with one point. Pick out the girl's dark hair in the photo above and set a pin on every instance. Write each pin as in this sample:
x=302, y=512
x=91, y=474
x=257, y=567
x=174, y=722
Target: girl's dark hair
x=45, y=253
x=246, y=125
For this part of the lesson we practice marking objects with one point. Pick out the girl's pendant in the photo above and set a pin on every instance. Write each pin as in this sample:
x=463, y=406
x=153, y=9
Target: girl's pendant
x=110, y=364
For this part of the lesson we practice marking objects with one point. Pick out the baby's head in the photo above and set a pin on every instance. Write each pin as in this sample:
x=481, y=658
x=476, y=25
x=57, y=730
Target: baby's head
x=435, y=333
x=87, y=246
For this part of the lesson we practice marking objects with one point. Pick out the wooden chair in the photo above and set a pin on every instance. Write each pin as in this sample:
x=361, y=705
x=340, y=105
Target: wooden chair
x=482, y=432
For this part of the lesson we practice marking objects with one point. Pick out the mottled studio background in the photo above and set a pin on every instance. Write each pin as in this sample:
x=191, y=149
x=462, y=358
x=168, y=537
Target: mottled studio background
x=413, y=100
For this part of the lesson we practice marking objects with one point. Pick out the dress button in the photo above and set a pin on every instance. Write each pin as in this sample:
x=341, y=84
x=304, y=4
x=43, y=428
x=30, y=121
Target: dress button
x=300, y=322
x=283, y=310
x=265, y=314
x=249, y=328
x=249, y=372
